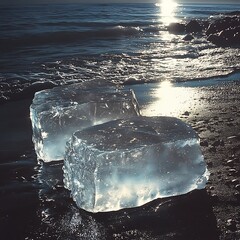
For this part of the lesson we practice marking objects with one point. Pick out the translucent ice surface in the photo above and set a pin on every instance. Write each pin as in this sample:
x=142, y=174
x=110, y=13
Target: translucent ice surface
x=127, y=163
x=57, y=113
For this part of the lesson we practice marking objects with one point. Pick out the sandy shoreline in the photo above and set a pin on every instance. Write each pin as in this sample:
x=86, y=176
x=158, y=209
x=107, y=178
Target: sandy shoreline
x=218, y=127
x=212, y=111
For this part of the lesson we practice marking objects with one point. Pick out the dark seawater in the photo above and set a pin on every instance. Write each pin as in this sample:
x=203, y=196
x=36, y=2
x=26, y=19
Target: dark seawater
x=112, y=42
x=68, y=43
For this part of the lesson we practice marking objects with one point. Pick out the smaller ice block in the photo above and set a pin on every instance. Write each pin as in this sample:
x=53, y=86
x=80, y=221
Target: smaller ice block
x=57, y=113
x=127, y=163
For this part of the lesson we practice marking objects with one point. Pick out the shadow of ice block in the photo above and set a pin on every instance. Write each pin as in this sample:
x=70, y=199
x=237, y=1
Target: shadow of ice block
x=127, y=163
x=57, y=113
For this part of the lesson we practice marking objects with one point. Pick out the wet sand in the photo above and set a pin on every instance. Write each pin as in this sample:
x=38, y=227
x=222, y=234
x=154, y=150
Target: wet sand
x=213, y=213
x=218, y=127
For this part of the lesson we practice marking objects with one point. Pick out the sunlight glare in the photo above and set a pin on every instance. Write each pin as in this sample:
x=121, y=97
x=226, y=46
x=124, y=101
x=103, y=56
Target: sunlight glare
x=168, y=7
x=170, y=100
x=167, y=10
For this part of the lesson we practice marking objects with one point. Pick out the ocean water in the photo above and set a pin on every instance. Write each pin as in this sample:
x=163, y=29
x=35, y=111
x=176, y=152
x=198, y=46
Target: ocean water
x=69, y=43
x=115, y=42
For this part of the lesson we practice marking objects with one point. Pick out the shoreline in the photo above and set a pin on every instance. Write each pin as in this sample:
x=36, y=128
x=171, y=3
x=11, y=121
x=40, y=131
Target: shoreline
x=19, y=92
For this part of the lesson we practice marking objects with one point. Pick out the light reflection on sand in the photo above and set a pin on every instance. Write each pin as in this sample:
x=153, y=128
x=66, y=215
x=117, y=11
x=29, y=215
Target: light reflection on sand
x=170, y=100
x=166, y=98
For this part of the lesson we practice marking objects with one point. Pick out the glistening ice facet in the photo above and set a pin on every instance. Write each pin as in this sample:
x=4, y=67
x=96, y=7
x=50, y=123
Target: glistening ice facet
x=57, y=113
x=129, y=162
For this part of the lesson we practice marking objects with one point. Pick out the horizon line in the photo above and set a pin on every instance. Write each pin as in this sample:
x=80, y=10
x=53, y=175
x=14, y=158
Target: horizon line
x=30, y=2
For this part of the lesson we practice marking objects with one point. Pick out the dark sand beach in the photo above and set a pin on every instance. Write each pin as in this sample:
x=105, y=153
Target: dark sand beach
x=218, y=127
x=202, y=214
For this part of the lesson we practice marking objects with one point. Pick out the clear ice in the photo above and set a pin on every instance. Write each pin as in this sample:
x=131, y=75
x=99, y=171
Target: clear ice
x=129, y=162
x=57, y=113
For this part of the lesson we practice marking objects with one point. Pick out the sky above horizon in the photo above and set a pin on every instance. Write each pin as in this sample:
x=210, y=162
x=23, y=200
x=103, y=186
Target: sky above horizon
x=113, y=1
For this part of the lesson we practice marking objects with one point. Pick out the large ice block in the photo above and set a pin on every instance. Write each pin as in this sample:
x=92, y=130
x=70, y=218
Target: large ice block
x=57, y=113
x=127, y=163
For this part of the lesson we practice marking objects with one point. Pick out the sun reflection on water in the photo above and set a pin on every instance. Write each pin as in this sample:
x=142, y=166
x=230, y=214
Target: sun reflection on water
x=167, y=11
